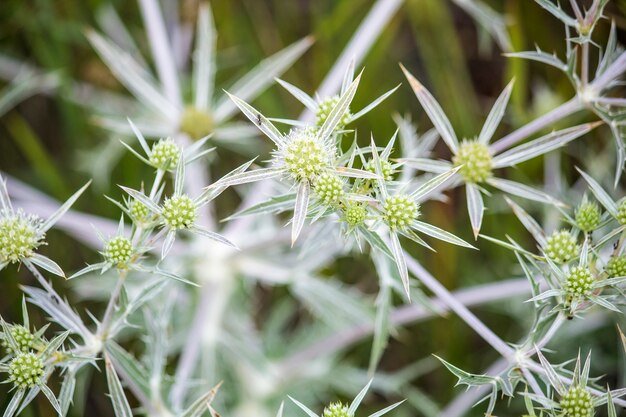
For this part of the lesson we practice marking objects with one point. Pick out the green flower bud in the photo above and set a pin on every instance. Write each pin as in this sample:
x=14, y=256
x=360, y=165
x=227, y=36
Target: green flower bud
x=561, y=247
x=616, y=267
x=324, y=109
x=165, y=154
x=118, y=250
x=25, y=370
x=579, y=282
x=588, y=217
x=179, y=212
x=355, y=213
x=476, y=160
x=19, y=236
x=386, y=168
x=329, y=188
x=196, y=123
x=621, y=212
x=138, y=211
x=577, y=402
x=305, y=155
x=399, y=211
x=22, y=336
x=337, y=410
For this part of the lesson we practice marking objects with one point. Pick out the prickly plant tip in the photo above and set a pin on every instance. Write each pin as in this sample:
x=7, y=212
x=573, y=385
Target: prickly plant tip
x=399, y=211
x=579, y=282
x=561, y=247
x=118, y=250
x=329, y=188
x=476, y=161
x=337, y=410
x=588, y=216
x=305, y=155
x=165, y=154
x=196, y=123
x=25, y=370
x=19, y=236
x=179, y=212
x=22, y=337
x=324, y=109
x=616, y=267
x=577, y=402
x=355, y=213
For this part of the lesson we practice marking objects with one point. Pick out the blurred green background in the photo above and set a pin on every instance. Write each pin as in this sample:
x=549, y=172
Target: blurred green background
x=43, y=141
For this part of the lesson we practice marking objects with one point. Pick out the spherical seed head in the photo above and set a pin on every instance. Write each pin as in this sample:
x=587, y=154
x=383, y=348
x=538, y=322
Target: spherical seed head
x=386, y=168
x=138, y=210
x=25, y=370
x=561, y=247
x=577, y=402
x=621, y=212
x=305, y=155
x=196, y=123
x=355, y=213
x=19, y=236
x=179, y=212
x=579, y=282
x=588, y=216
x=165, y=154
x=399, y=211
x=324, y=109
x=337, y=410
x=118, y=250
x=476, y=160
x=329, y=188
x=616, y=267
x=22, y=336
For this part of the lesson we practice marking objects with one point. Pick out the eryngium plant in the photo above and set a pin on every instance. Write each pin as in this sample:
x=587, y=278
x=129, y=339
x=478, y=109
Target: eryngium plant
x=264, y=313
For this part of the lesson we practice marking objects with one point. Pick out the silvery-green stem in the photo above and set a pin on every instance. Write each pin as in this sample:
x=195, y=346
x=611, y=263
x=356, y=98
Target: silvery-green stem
x=612, y=72
x=103, y=328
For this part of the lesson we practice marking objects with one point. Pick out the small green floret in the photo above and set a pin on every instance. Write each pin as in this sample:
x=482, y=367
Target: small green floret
x=138, y=211
x=616, y=267
x=621, y=212
x=179, y=212
x=19, y=236
x=386, y=168
x=355, y=213
x=329, y=188
x=577, y=402
x=476, y=161
x=165, y=154
x=118, y=250
x=561, y=247
x=305, y=155
x=579, y=282
x=26, y=370
x=588, y=217
x=22, y=337
x=337, y=410
x=400, y=211
x=196, y=123
x=324, y=109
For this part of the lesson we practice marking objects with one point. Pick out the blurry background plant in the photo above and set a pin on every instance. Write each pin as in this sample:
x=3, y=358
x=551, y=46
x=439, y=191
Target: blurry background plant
x=270, y=321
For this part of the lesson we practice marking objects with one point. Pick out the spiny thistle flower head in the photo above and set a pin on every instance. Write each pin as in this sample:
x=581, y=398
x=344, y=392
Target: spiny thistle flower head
x=621, y=211
x=305, y=155
x=138, y=210
x=179, y=212
x=118, y=250
x=476, y=160
x=165, y=154
x=324, y=109
x=616, y=267
x=579, y=282
x=561, y=247
x=22, y=336
x=577, y=402
x=355, y=213
x=387, y=170
x=329, y=188
x=588, y=216
x=399, y=211
x=337, y=410
x=25, y=370
x=19, y=236
x=196, y=123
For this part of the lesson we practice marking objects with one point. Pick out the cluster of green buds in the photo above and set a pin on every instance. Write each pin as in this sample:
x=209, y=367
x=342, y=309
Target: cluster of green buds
x=196, y=123
x=26, y=370
x=354, y=213
x=400, y=211
x=337, y=410
x=23, y=338
x=621, y=211
x=386, y=169
x=329, y=188
x=118, y=250
x=577, y=402
x=305, y=156
x=19, y=236
x=579, y=282
x=475, y=161
x=179, y=212
x=323, y=111
x=561, y=247
x=616, y=267
x=164, y=154
x=138, y=211
x=588, y=216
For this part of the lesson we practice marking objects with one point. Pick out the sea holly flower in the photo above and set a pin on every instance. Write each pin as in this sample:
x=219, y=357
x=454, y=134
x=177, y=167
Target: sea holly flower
x=18, y=338
x=21, y=234
x=338, y=409
x=477, y=160
x=616, y=209
x=303, y=156
x=160, y=107
x=323, y=107
x=588, y=216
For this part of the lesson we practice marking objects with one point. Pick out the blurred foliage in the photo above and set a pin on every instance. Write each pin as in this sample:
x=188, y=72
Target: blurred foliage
x=43, y=140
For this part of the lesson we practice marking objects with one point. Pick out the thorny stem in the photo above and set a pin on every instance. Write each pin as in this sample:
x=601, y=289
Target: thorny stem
x=585, y=64
x=105, y=324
